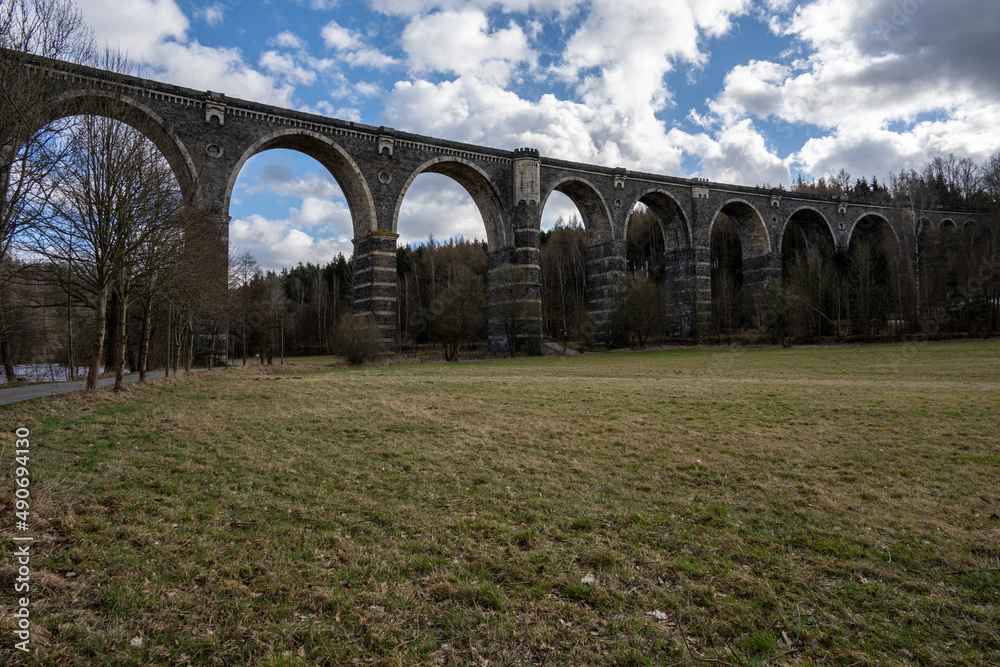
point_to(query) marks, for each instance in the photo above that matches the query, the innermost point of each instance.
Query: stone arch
(678, 258)
(944, 225)
(924, 238)
(805, 231)
(875, 266)
(335, 159)
(950, 238)
(750, 225)
(740, 257)
(480, 187)
(589, 201)
(605, 252)
(873, 223)
(675, 225)
(816, 228)
(128, 110)
(970, 232)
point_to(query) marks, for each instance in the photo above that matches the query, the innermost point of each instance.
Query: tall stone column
(375, 289)
(606, 269)
(758, 272)
(528, 260)
(680, 292)
(515, 272)
(515, 288)
(701, 285)
(220, 344)
(500, 310)
(701, 259)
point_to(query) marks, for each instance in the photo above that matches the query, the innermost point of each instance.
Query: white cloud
(633, 44)
(213, 15)
(279, 179)
(276, 244)
(873, 73)
(616, 60)
(288, 40)
(437, 205)
(153, 33)
(351, 47)
(880, 152)
(739, 155)
(474, 111)
(460, 42)
(368, 89)
(137, 27)
(284, 66)
(418, 7)
(223, 70)
(340, 38)
(313, 230)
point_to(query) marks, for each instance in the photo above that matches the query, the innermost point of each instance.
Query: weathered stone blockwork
(375, 289)
(207, 137)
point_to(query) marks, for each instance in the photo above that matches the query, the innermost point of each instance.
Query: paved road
(559, 348)
(28, 392)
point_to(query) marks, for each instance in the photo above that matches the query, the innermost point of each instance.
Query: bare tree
(512, 305)
(242, 272)
(639, 314)
(115, 194)
(29, 150)
(460, 309)
(157, 267)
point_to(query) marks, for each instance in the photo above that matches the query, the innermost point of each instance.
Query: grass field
(811, 506)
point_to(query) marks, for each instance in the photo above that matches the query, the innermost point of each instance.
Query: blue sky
(740, 91)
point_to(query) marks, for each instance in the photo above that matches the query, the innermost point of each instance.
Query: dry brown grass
(801, 507)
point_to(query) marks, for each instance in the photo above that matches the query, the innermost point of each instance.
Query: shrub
(358, 339)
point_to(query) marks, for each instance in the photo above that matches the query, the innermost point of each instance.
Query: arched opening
(334, 160)
(129, 111)
(645, 248)
(952, 255)
(806, 234)
(287, 209)
(476, 183)
(583, 265)
(290, 238)
(875, 229)
(589, 203)
(739, 264)
(349, 187)
(563, 244)
(925, 271)
(808, 277)
(658, 252)
(97, 215)
(448, 221)
(873, 278)
(970, 233)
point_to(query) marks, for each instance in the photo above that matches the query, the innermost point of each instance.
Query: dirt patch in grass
(830, 506)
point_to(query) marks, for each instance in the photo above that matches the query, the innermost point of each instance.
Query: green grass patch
(811, 506)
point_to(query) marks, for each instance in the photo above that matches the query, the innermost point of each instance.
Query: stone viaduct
(207, 137)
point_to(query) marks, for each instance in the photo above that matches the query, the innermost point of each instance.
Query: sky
(753, 92)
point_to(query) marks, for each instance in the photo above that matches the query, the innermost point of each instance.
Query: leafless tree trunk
(28, 153)
(115, 195)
